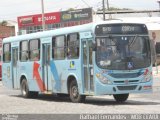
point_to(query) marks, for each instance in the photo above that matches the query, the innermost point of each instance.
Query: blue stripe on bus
(55, 75)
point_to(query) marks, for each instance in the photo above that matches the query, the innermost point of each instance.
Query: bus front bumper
(106, 89)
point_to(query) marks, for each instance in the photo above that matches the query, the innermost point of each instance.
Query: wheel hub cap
(75, 91)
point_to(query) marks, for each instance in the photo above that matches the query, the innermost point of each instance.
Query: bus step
(88, 93)
(47, 92)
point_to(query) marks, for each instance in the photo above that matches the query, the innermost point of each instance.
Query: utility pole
(158, 1)
(103, 3)
(104, 9)
(43, 19)
(110, 16)
(107, 5)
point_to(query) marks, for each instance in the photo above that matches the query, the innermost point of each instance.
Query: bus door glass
(87, 66)
(14, 67)
(46, 65)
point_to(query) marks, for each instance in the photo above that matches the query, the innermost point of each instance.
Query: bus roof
(50, 33)
(60, 31)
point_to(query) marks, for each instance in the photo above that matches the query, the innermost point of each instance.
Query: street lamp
(43, 19)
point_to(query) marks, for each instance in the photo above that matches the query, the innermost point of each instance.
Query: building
(7, 30)
(33, 23)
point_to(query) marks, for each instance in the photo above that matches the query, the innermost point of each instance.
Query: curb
(156, 88)
(1, 83)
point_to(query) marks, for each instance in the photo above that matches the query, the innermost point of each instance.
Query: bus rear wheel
(74, 93)
(121, 97)
(25, 90)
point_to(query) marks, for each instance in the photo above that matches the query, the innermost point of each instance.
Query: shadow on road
(90, 100)
(102, 102)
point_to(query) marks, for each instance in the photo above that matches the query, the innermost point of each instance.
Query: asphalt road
(11, 102)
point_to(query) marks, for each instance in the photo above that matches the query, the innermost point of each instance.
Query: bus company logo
(126, 82)
(130, 65)
(72, 64)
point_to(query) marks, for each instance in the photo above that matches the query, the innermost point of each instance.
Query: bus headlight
(103, 79)
(146, 76)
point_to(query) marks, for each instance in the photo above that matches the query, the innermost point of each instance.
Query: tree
(114, 9)
(70, 9)
(4, 23)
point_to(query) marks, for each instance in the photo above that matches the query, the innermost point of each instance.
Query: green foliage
(114, 9)
(3, 23)
(70, 9)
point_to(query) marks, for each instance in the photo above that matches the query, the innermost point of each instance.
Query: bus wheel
(121, 97)
(74, 93)
(25, 90)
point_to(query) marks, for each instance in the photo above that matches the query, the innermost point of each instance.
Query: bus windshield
(123, 52)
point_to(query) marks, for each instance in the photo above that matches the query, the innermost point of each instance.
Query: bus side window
(73, 46)
(24, 51)
(34, 50)
(7, 52)
(58, 47)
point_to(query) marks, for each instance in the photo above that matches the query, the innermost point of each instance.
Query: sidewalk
(156, 76)
(0, 83)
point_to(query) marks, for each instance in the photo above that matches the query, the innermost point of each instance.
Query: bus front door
(46, 66)
(14, 67)
(87, 67)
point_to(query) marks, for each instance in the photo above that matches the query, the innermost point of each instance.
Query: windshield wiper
(134, 39)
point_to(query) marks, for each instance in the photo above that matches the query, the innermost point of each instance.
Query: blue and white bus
(106, 58)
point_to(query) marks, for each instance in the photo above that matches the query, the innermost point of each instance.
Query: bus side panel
(35, 78)
(26, 69)
(57, 69)
(7, 75)
(65, 68)
(50, 81)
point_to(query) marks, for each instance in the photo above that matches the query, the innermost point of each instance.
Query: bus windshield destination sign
(120, 29)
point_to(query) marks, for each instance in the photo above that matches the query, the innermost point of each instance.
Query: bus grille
(133, 87)
(126, 75)
(123, 82)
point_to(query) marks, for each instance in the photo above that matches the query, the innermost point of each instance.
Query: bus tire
(74, 93)
(121, 97)
(25, 90)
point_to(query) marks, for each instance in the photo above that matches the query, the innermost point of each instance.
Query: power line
(90, 7)
(86, 3)
(30, 12)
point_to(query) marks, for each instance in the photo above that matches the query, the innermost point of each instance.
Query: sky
(11, 9)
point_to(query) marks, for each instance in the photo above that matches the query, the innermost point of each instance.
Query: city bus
(104, 58)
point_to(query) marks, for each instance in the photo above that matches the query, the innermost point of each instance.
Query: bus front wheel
(25, 90)
(121, 97)
(74, 93)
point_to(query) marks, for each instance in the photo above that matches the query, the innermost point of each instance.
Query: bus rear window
(7, 52)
